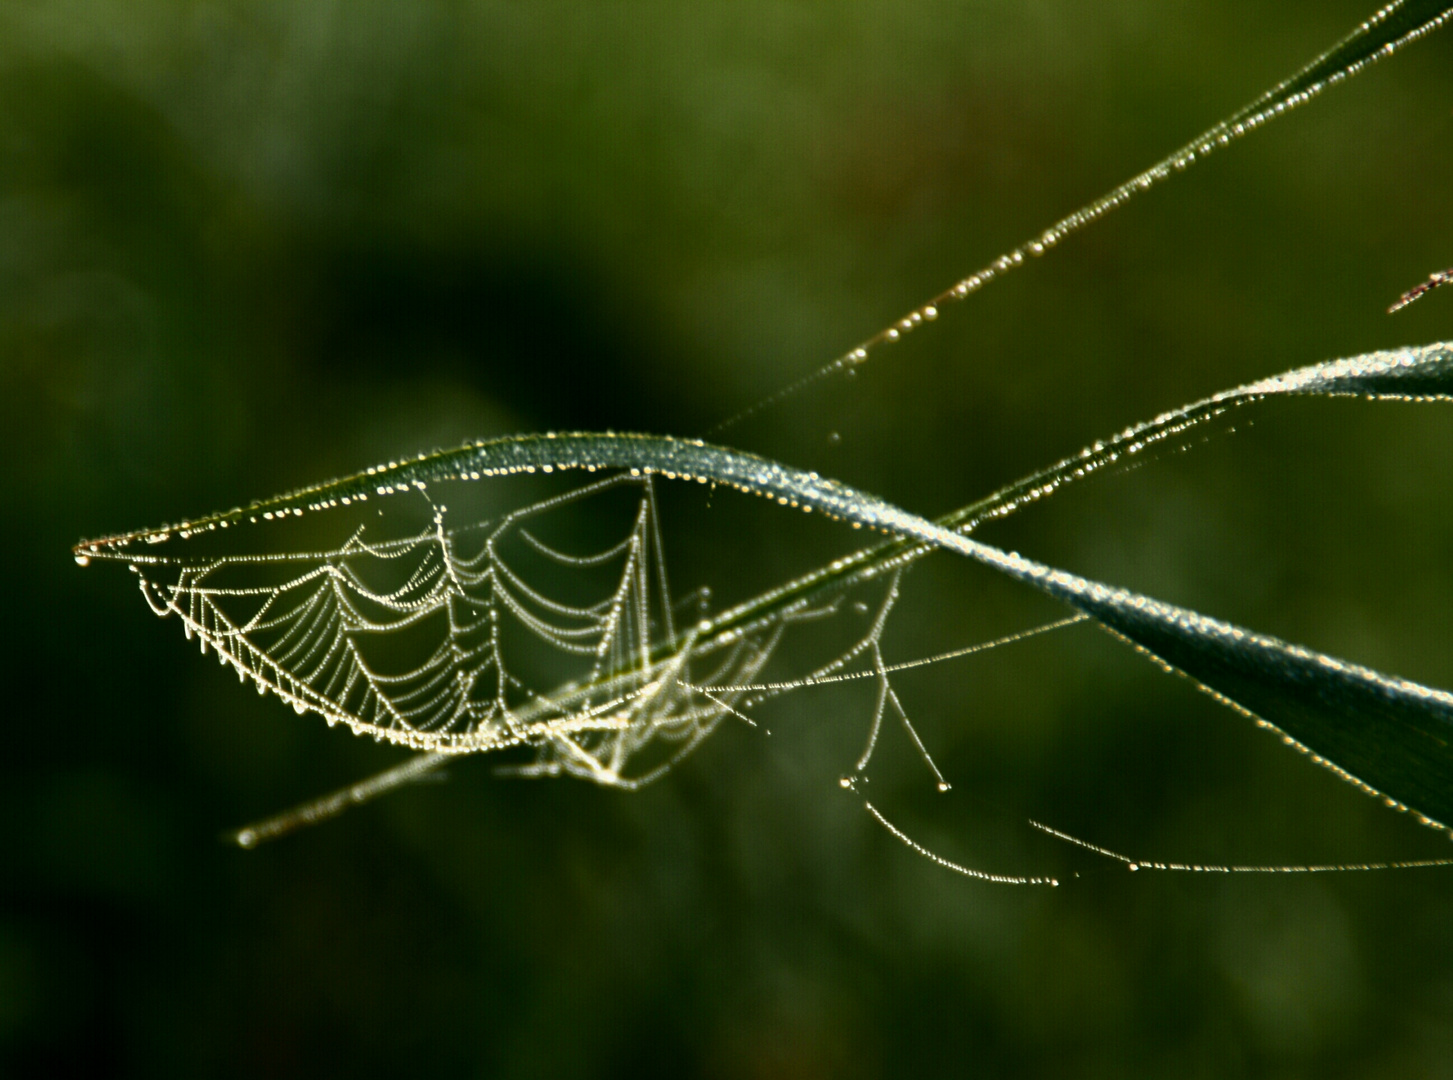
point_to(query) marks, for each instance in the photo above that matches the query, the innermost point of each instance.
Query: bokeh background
(247, 246)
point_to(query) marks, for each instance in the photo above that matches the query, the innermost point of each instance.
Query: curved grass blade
(1389, 736)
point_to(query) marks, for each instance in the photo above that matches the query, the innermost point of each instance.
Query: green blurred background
(246, 246)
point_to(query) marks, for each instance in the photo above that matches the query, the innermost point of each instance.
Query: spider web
(466, 636)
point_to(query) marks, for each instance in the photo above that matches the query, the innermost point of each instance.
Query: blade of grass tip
(335, 802)
(1435, 281)
(1382, 34)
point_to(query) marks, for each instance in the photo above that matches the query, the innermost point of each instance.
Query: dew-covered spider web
(435, 630)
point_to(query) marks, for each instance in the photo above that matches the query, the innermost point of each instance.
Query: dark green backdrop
(246, 246)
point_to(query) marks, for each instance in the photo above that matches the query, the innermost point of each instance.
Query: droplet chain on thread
(1302, 87)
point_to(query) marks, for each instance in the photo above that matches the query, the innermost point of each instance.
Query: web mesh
(464, 636)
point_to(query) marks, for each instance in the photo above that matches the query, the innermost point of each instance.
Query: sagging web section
(437, 640)
(470, 636)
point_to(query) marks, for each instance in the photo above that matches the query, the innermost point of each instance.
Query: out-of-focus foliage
(248, 246)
